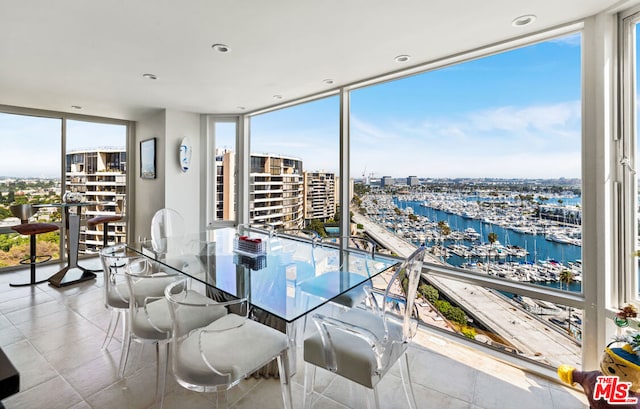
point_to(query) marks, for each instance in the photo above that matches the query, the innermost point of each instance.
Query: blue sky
(515, 114)
(31, 145)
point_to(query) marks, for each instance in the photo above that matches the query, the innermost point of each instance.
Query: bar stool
(104, 220)
(23, 212)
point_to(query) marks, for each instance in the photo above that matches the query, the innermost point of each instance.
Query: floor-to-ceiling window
(635, 242)
(29, 173)
(294, 167)
(628, 161)
(225, 171)
(481, 161)
(96, 166)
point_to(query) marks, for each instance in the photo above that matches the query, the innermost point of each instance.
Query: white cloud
(534, 141)
(573, 40)
(553, 119)
(368, 133)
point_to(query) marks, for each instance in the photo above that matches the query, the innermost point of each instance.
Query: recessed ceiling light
(221, 48)
(277, 96)
(150, 76)
(402, 58)
(328, 81)
(523, 20)
(76, 107)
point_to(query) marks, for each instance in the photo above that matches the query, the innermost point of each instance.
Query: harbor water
(538, 248)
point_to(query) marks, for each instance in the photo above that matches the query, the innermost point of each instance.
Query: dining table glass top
(268, 270)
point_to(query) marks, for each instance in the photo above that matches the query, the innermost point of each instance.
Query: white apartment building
(276, 191)
(225, 185)
(101, 174)
(319, 195)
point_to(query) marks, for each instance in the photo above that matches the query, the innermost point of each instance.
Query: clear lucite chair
(115, 260)
(306, 234)
(303, 257)
(166, 223)
(215, 355)
(331, 278)
(363, 344)
(149, 316)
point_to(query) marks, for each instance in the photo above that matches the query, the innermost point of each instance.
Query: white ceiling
(55, 54)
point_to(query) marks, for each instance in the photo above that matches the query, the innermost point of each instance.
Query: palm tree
(566, 277)
(492, 237)
(444, 228)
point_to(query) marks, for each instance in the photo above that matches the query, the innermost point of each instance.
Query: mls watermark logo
(613, 391)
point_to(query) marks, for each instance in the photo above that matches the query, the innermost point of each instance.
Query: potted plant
(623, 315)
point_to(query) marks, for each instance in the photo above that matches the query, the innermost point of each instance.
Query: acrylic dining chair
(323, 285)
(358, 268)
(149, 320)
(216, 355)
(166, 223)
(362, 344)
(115, 260)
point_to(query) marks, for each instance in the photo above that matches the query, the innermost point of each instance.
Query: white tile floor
(53, 337)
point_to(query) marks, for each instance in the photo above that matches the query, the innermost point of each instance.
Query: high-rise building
(413, 181)
(319, 195)
(386, 181)
(101, 175)
(276, 191)
(225, 185)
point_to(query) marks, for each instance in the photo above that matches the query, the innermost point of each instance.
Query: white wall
(149, 193)
(172, 187)
(182, 189)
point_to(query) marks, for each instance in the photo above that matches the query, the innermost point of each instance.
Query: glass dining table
(268, 271)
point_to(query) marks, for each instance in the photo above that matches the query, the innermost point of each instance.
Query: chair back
(357, 245)
(188, 314)
(147, 280)
(341, 344)
(115, 260)
(406, 279)
(305, 234)
(164, 224)
(23, 212)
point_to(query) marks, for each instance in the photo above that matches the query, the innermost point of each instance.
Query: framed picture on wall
(148, 159)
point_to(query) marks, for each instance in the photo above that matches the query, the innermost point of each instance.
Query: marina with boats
(536, 329)
(506, 238)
